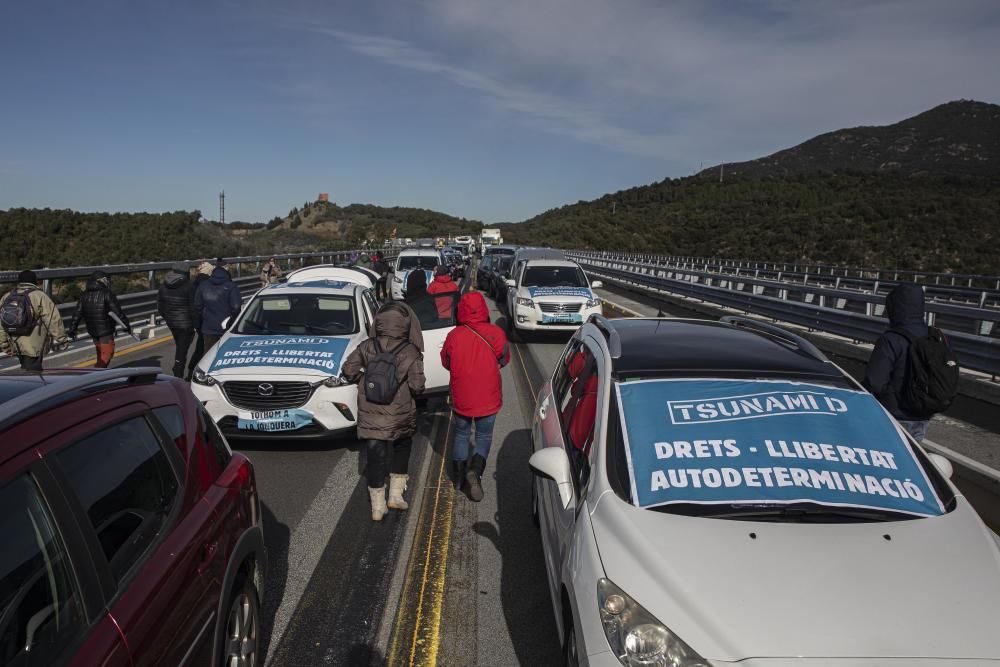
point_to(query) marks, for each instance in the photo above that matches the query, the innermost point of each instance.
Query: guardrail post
(47, 286)
(151, 279)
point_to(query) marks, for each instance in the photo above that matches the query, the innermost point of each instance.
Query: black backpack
(380, 375)
(17, 316)
(931, 381)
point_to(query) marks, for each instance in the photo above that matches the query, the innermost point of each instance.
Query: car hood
(734, 590)
(299, 355)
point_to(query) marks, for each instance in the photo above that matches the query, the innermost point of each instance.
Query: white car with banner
(720, 493)
(413, 259)
(276, 371)
(549, 295)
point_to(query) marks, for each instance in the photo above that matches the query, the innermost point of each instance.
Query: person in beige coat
(30, 348)
(388, 429)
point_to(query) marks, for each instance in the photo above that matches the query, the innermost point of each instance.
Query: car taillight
(237, 474)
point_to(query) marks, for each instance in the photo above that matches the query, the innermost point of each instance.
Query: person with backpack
(101, 313)
(29, 319)
(474, 352)
(217, 300)
(175, 302)
(912, 370)
(389, 370)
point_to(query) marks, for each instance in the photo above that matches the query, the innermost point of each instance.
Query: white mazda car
(276, 371)
(719, 493)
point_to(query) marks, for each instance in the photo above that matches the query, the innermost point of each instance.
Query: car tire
(571, 657)
(512, 333)
(241, 635)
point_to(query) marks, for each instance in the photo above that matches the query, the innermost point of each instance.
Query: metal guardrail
(969, 280)
(850, 314)
(866, 280)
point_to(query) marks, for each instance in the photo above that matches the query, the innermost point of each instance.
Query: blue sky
(489, 110)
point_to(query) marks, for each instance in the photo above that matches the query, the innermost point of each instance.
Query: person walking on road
(100, 311)
(474, 352)
(381, 267)
(270, 274)
(203, 273)
(443, 284)
(217, 300)
(892, 369)
(29, 320)
(175, 302)
(389, 370)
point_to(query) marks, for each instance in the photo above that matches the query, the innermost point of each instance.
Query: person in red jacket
(443, 284)
(474, 352)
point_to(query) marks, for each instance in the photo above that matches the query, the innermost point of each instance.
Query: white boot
(379, 509)
(397, 484)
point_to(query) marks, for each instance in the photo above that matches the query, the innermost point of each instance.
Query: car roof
(550, 262)
(686, 347)
(352, 274)
(539, 253)
(419, 251)
(317, 286)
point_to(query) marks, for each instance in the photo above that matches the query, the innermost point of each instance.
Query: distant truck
(465, 241)
(490, 237)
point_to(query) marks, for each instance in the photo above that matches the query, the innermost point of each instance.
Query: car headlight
(201, 377)
(334, 381)
(635, 635)
(593, 303)
(528, 303)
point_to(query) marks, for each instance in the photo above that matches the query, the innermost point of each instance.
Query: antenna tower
(222, 207)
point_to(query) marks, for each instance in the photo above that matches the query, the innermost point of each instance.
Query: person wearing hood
(443, 284)
(885, 374)
(217, 300)
(175, 302)
(364, 261)
(203, 273)
(416, 296)
(30, 306)
(388, 429)
(100, 311)
(474, 352)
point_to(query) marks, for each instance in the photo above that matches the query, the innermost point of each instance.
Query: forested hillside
(936, 209)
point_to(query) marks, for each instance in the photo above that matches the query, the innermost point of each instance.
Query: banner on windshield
(761, 442)
(318, 353)
(542, 292)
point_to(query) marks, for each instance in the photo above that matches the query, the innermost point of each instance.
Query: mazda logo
(265, 389)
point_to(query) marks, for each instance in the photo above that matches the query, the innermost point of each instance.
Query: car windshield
(503, 263)
(407, 262)
(318, 314)
(770, 450)
(554, 276)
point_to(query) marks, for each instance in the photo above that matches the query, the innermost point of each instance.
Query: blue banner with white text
(541, 292)
(319, 353)
(762, 442)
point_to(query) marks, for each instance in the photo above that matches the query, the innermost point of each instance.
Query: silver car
(715, 493)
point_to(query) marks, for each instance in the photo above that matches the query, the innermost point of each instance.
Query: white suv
(424, 259)
(549, 295)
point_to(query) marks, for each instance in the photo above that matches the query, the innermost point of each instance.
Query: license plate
(270, 421)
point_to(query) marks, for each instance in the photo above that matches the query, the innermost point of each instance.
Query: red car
(131, 533)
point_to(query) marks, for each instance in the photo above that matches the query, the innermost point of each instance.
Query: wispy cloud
(549, 112)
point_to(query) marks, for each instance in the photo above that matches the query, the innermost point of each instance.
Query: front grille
(246, 395)
(560, 307)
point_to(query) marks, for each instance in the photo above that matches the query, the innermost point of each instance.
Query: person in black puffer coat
(204, 273)
(217, 299)
(175, 302)
(96, 307)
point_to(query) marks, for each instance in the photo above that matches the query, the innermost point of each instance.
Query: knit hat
(205, 268)
(27, 276)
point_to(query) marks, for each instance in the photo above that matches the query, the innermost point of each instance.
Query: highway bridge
(455, 582)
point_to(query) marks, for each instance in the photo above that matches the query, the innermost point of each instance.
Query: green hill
(939, 210)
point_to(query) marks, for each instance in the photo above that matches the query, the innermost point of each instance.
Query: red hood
(445, 278)
(472, 308)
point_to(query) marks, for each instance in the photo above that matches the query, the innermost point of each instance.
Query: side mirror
(552, 463)
(942, 464)
(225, 324)
(510, 282)
(596, 284)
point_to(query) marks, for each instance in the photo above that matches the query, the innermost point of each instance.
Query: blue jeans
(460, 439)
(918, 429)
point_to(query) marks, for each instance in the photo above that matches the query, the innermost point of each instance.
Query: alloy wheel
(241, 631)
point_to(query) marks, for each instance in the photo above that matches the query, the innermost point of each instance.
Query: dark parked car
(500, 269)
(131, 532)
(484, 274)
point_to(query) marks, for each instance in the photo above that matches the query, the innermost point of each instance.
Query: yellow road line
(527, 377)
(139, 347)
(429, 645)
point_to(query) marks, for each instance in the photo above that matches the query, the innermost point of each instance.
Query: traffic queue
(707, 492)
